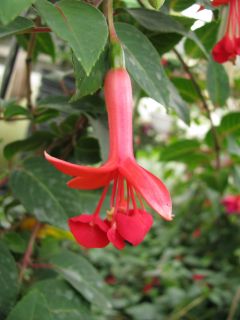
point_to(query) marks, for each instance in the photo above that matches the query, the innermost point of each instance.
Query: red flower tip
(89, 231)
(232, 204)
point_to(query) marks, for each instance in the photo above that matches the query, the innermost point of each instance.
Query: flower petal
(115, 238)
(150, 187)
(77, 170)
(91, 181)
(135, 226)
(87, 232)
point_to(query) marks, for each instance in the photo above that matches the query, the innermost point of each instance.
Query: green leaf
(159, 22)
(32, 306)
(176, 150)
(81, 25)
(87, 150)
(10, 9)
(143, 63)
(207, 35)
(38, 139)
(8, 281)
(15, 242)
(217, 83)
(100, 128)
(177, 104)
(180, 5)
(17, 25)
(230, 125)
(62, 301)
(14, 110)
(86, 85)
(44, 44)
(43, 192)
(186, 89)
(76, 270)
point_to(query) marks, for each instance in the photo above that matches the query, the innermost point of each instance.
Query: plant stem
(187, 308)
(30, 50)
(205, 106)
(109, 15)
(234, 305)
(28, 253)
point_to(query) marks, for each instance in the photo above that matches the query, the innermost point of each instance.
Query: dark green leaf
(38, 139)
(186, 89)
(11, 9)
(159, 22)
(31, 306)
(207, 35)
(62, 301)
(230, 125)
(180, 5)
(15, 242)
(86, 85)
(177, 104)
(101, 133)
(143, 63)
(14, 110)
(217, 83)
(43, 192)
(81, 25)
(87, 150)
(19, 24)
(179, 149)
(82, 276)
(8, 281)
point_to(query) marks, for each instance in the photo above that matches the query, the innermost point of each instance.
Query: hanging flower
(126, 219)
(232, 204)
(229, 46)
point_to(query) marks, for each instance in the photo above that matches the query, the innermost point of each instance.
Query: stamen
(110, 214)
(99, 206)
(133, 199)
(114, 191)
(140, 200)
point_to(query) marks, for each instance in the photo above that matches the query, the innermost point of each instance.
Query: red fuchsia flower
(196, 233)
(229, 46)
(232, 204)
(198, 277)
(217, 3)
(127, 219)
(154, 283)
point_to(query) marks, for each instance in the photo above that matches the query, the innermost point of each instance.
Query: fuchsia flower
(229, 46)
(232, 204)
(127, 219)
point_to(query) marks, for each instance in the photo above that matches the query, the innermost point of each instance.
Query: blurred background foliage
(187, 125)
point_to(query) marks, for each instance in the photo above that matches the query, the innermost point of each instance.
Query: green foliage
(66, 18)
(8, 280)
(11, 9)
(217, 84)
(18, 25)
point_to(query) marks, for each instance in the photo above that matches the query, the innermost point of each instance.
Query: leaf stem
(28, 253)
(217, 147)
(234, 305)
(116, 51)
